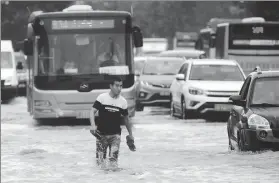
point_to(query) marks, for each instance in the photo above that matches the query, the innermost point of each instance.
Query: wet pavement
(168, 150)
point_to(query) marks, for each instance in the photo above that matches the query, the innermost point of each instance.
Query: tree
(15, 15)
(266, 9)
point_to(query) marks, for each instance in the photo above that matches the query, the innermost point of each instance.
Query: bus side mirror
(137, 36)
(28, 47)
(19, 66)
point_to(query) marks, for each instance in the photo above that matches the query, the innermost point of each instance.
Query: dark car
(185, 53)
(155, 81)
(254, 119)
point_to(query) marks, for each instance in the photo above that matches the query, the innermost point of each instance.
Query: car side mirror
(180, 77)
(137, 73)
(237, 100)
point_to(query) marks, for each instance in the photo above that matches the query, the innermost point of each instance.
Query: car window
(6, 60)
(266, 91)
(183, 69)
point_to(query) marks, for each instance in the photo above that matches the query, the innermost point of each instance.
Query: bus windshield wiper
(150, 73)
(167, 74)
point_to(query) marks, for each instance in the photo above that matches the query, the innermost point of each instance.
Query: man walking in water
(112, 108)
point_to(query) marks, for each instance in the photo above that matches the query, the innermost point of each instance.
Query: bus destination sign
(81, 24)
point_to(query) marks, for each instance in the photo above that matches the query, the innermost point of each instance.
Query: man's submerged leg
(114, 150)
(101, 151)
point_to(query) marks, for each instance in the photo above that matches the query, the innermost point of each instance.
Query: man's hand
(130, 142)
(93, 130)
(131, 137)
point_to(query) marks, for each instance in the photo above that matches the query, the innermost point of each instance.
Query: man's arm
(126, 119)
(95, 108)
(128, 125)
(92, 118)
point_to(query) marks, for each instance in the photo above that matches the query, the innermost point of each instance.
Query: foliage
(156, 18)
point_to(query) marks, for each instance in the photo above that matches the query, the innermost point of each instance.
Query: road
(168, 150)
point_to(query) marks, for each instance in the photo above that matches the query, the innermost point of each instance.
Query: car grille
(221, 93)
(159, 97)
(161, 85)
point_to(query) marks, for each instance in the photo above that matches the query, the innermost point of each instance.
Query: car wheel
(230, 145)
(172, 110)
(139, 107)
(240, 142)
(183, 109)
(229, 138)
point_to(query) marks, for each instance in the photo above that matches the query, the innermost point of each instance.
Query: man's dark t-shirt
(111, 110)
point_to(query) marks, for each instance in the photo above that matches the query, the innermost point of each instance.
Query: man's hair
(115, 79)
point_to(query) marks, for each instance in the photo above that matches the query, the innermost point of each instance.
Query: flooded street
(168, 150)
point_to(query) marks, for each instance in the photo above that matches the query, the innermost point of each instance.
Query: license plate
(83, 114)
(223, 107)
(164, 93)
(21, 85)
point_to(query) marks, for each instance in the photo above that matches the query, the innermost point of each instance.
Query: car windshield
(266, 91)
(207, 72)
(162, 67)
(6, 60)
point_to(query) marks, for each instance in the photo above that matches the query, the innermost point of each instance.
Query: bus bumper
(56, 112)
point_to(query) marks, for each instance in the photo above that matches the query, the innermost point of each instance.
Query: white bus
(152, 46)
(184, 40)
(207, 36)
(252, 43)
(206, 42)
(72, 56)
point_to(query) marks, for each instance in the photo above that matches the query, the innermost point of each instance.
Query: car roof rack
(258, 70)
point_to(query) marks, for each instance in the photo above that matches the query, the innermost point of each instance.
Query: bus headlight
(255, 121)
(42, 103)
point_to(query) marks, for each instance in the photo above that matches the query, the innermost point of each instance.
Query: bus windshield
(81, 53)
(6, 60)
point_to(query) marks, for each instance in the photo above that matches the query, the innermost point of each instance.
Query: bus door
(33, 60)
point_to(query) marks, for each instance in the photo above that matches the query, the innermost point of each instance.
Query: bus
(252, 43)
(153, 46)
(72, 56)
(206, 42)
(207, 36)
(184, 40)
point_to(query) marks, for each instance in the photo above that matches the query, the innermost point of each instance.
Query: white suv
(204, 86)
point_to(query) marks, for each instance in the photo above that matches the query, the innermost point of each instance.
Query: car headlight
(196, 91)
(255, 121)
(144, 83)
